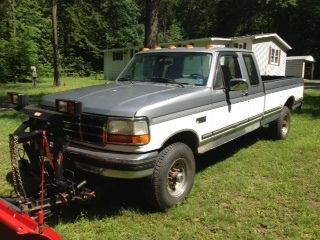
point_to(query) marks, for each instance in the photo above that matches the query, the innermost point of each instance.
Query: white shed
(116, 59)
(270, 50)
(300, 66)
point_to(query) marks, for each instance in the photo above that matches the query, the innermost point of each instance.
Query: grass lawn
(251, 188)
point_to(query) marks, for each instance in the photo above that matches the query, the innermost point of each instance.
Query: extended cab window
(228, 69)
(251, 69)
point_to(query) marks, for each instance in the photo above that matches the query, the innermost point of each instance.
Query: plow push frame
(42, 139)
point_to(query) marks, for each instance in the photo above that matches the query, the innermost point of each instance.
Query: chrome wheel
(177, 178)
(285, 125)
(280, 127)
(173, 176)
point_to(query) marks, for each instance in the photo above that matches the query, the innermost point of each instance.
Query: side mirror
(238, 84)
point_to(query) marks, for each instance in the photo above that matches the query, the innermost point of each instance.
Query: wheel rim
(285, 125)
(177, 178)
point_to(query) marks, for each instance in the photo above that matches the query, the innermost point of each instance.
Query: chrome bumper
(111, 164)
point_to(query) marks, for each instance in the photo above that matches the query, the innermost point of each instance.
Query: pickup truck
(167, 106)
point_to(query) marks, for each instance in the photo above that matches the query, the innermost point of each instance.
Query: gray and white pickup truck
(167, 106)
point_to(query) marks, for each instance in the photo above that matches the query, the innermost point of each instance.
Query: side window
(251, 69)
(219, 79)
(229, 68)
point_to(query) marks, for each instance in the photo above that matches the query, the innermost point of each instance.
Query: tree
(87, 27)
(151, 23)
(173, 33)
(5, 17)
(169, 27)
(56, 60)
(197, 17)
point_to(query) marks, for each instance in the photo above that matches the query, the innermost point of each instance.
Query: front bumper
(113, 164)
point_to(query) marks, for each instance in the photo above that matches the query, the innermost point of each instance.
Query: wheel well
(289, 103)
(189, 138)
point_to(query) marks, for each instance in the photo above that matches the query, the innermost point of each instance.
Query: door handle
(245, 94)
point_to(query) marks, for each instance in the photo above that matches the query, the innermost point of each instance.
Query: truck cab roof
(195, 49)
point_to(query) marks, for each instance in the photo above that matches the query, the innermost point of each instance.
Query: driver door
(228, 120)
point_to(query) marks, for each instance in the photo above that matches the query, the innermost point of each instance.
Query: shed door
(308, 70)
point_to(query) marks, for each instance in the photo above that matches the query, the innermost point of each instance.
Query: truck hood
(137, 99)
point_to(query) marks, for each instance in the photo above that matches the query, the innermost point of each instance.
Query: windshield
(170, 67)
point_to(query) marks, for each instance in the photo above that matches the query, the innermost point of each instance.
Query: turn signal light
(128, 139)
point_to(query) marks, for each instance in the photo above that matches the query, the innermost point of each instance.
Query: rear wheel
(280, 128)
(173, 176)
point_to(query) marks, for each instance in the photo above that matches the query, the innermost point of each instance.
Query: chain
(16, 175)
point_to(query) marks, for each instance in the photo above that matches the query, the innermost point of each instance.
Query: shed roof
(265, 35)
(212, 39)
(308, 58)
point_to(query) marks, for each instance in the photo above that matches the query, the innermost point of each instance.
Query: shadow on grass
(114, 196)
(311, 105)
(227, 150)
(12, 115)
(312, 84)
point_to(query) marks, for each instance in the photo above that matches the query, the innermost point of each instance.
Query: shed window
(240, 45)
(274, 56)
(117, 56)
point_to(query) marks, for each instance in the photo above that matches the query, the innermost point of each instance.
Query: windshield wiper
(166, 80)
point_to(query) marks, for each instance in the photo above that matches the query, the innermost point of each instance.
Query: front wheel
(173, 176)
(281, 127)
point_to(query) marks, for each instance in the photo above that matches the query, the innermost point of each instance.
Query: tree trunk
(14, 25)
(56, 60)
(151, 23)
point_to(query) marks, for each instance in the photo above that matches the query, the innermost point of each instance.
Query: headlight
(127, 131)
(18, 99)
(70, 107)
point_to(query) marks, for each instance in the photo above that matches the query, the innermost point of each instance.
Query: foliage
(87, 27)
(173, 34)
(18, 54)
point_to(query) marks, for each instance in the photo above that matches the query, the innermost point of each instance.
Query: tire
(173, 176)
(280, 128)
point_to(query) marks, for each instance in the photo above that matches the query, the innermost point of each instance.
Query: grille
(88, 129)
